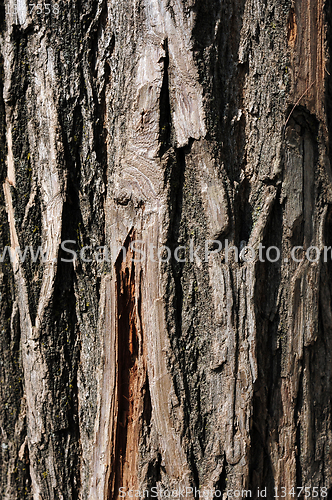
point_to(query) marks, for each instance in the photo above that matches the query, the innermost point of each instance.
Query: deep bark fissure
(221, 484)
(15, 478)
(129, 349)
(298, 426)
(165, 119)
(177, 179)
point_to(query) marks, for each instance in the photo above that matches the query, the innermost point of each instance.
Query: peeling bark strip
(165, 121)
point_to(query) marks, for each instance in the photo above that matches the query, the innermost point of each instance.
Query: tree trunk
(145, 123)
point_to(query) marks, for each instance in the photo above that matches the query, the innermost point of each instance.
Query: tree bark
(135, 125)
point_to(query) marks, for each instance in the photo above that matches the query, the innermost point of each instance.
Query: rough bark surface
(165, 122)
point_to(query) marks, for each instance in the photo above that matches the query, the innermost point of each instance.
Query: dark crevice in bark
(63, 358)
(12, 434)
(266, 397)
(328, 240)
(147, 412)
(182, 375)
(3, 148)
(128, 352)
(328, 80)
(154, 471)
(165, 108)
(235, 362)
(65, 281)
(33, 271)
(222, 77)
(194, 470)
(21, 81)
(176, 187)
(204, 29)
(2, 14)
(153, 474)
(174, 287)
(103, 110)
(102, 146)
(62, 349)
(244, 213)
(14, 473)
(100, 128)
(222, 481)
(27, 479)
(303, 118)
(326, 274)
(217, 34)
(299, 429)
(321, 357)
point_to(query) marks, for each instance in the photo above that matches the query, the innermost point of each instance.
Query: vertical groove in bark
(15, 479)
(131, 377)
(165, 120)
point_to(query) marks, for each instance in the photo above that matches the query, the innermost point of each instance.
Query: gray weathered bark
(165, 122)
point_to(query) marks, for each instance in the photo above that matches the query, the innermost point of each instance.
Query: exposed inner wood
(131, 377)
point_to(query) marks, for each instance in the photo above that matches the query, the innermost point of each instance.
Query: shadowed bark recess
(131, 369)
(135, 125)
